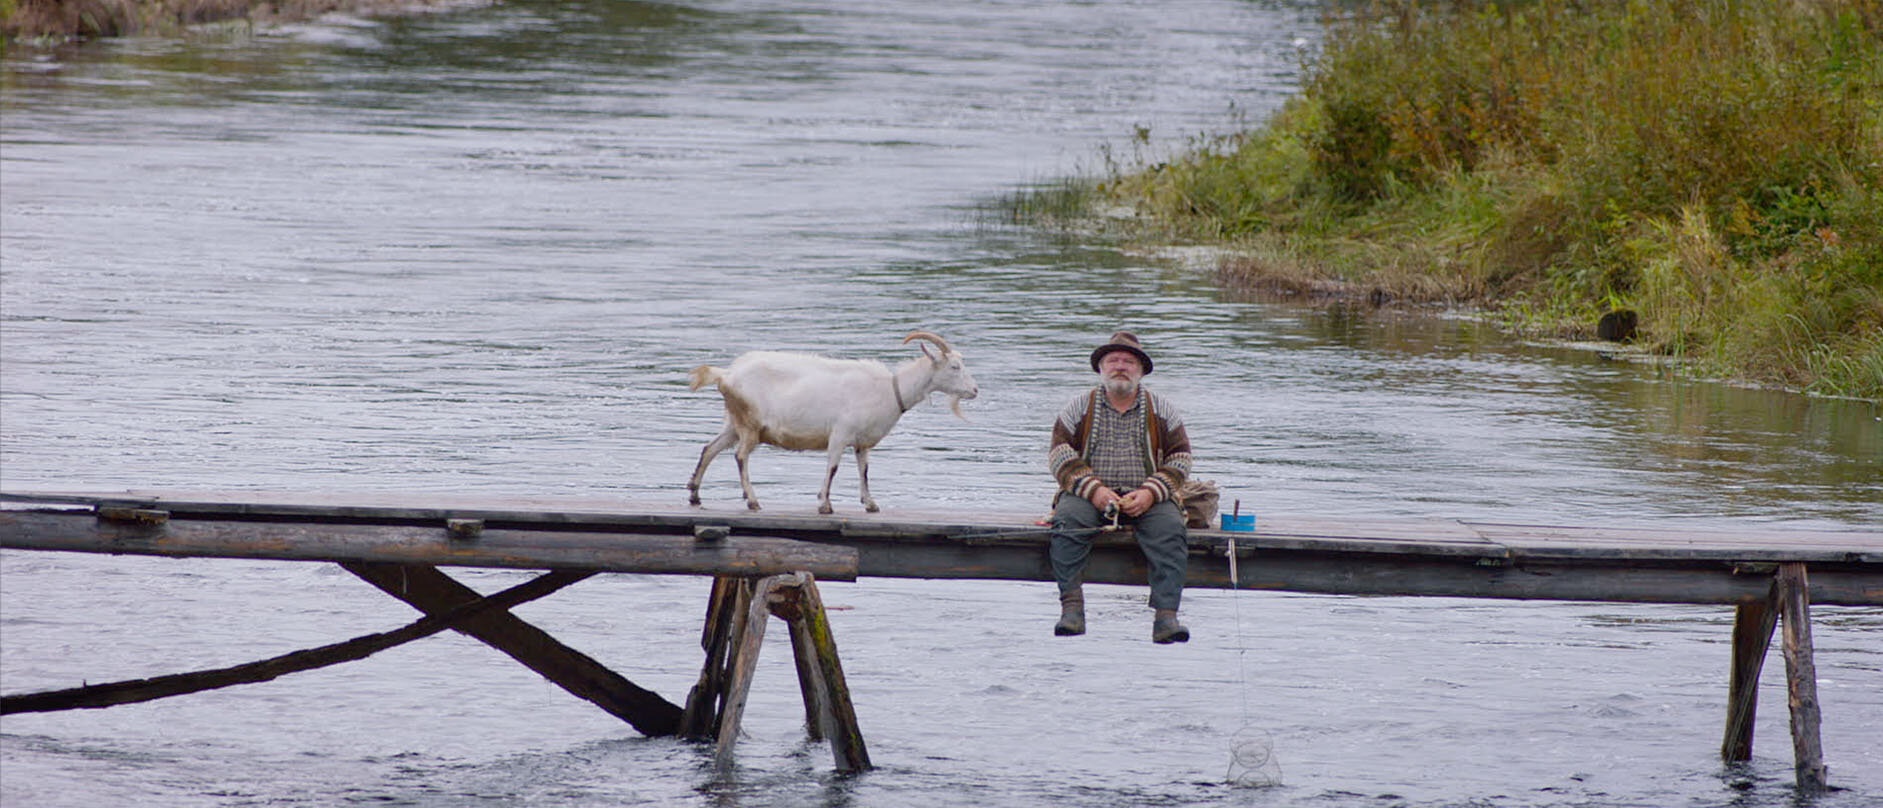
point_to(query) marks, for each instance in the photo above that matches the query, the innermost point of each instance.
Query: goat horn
(930, 336)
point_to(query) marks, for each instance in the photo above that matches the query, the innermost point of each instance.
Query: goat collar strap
(893, 385)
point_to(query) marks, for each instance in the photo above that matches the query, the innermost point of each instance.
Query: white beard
(1121, 387)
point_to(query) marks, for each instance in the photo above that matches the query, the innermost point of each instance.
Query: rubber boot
(1071, 613)
(1165, 629)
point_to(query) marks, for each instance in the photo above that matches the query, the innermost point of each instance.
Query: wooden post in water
(1753, 623)
(725, 613)
(812, 687)
(748, 634)
(827, 700)
(1801, 677)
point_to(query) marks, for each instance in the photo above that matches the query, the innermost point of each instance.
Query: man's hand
(1104, 497)
(1137, 502)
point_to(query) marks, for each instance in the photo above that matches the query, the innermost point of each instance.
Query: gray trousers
(1161, 535)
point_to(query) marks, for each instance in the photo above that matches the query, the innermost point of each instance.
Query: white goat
(798, 401)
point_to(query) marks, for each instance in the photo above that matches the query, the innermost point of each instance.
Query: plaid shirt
(1116, 448)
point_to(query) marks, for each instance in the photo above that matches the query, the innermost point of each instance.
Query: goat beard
(954, 403)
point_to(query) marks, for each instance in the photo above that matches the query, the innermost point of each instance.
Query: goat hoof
(871, 507)
(826, 509)
(751, 506)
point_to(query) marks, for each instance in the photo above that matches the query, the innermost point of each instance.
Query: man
(1120, 446)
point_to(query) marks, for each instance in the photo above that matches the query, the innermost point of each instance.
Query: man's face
(1120, 372)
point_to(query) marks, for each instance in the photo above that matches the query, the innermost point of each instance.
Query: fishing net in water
(1252, 762)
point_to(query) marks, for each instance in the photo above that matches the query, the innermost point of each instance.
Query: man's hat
(1122, 341)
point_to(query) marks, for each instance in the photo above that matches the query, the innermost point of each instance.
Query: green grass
(1715, 166)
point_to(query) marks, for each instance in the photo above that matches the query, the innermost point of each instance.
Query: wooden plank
(1449, 562)
(1620, 582)
(1443, 537)
(1753, 622)
(402, 544)
(432, 592)
(1801, 678)
(1448, 537)
(1302, 569)
(1650, 542)
(1416, 530)
(515, 511)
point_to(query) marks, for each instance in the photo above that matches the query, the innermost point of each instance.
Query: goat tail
(704, 375)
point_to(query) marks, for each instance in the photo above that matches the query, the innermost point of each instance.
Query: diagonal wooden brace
(725, 619)
(1753, 624)
(432, 592)
(139, 690)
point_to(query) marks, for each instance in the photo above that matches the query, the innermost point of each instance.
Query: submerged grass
(1714, 166)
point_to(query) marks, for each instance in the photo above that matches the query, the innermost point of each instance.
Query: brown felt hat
(1122, 341)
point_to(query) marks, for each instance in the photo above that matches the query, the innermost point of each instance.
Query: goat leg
(830, 474)
(745, 476)
(863, 479)
(712, 450)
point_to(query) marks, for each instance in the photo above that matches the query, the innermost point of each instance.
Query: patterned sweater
(1145, 446)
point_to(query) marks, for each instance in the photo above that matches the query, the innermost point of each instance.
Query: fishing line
(1252, 762)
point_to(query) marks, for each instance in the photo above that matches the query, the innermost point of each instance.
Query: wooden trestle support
(1753, 624)
(735, 627)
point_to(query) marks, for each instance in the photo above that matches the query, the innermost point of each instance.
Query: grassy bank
(1714, 168)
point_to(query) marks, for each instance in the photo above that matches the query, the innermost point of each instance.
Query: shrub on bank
(90, 19)
(63, 20)
(1713, 165)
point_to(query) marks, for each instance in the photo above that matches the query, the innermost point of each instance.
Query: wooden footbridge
(766, 564)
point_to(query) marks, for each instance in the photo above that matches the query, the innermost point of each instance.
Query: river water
(475, 253)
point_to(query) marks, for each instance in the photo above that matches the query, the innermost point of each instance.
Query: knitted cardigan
(1167, 444)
